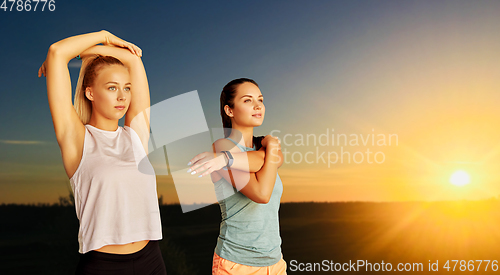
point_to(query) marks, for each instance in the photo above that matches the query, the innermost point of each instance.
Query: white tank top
(115, 190)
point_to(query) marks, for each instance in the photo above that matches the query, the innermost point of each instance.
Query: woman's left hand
(113, 40)
(207, 161)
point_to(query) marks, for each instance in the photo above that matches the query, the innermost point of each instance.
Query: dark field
(43, 239)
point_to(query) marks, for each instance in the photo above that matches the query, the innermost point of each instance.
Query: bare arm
(137, 116)
(266, 177)
(256, 186)
(69, 130)
(251, 161)
(64, 116)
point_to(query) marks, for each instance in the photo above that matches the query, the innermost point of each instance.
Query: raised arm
(69, 129)
(137, 116)
(256, 186)
(55, 68)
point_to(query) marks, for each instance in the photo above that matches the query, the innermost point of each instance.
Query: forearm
(251, 161)
(266, 176)
(129, 59)
(71, 47)
(256, 186)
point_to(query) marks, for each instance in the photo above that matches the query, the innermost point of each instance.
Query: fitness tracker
(229, 158)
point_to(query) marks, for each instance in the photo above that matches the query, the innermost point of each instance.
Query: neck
(243, 135)
(103, 124)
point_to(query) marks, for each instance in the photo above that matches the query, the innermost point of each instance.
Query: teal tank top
(249, 231)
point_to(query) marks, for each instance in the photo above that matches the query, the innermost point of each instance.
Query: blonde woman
(116, 204)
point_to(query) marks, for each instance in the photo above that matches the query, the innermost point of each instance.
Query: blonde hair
(88, 72)
(82, 104)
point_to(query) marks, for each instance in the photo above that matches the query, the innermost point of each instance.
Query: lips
(120, 107)
(259, 115)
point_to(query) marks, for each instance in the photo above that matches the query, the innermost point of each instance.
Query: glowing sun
(460, 178)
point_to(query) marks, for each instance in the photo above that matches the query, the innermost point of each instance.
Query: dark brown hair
(227, 98)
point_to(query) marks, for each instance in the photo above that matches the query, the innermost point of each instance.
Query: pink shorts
(221, 266)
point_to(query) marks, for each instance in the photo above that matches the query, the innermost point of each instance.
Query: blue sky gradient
(394, 66)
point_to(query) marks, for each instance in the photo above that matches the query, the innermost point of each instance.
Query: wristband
(229, 158)
(225, 158)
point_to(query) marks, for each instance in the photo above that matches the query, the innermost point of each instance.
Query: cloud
(75, 64)
(22, 142)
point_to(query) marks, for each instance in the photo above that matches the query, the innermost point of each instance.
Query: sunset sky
(424, 73)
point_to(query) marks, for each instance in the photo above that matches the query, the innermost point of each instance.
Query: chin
(256, 124)
(124, 113)
(116, 117)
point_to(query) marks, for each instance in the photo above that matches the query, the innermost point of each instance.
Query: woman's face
(249, 109)
(110, 93)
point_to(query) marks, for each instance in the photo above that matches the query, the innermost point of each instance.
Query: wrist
(272, 155)
(270, 149)
(263, 143)
(224, 157)
(104, 36)
(229, 158)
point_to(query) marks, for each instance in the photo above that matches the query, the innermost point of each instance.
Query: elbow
(263, 199)
(54, 49)
(58, 52)
(55, 52)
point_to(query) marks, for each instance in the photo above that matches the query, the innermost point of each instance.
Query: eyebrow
(112, 82)
(249, 96)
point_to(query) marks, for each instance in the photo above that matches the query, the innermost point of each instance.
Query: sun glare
(460, 178)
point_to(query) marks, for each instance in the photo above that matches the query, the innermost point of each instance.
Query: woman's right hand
(270, 141)
(42, 70)
(113, 40)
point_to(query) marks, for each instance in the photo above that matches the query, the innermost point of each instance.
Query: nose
(121, 95)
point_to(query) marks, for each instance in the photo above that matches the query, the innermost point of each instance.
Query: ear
(89, 94)
(228, 111)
